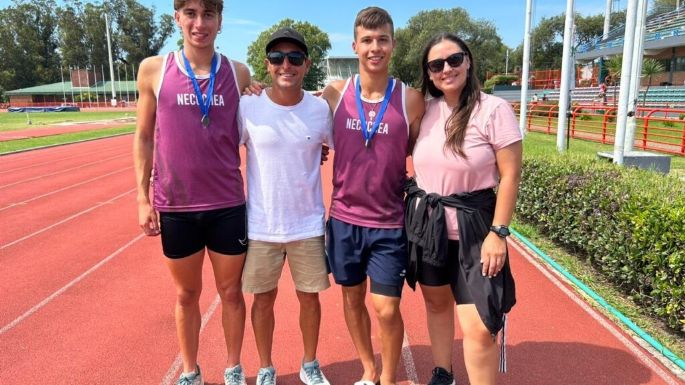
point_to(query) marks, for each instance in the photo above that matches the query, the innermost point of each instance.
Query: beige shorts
(306, 259)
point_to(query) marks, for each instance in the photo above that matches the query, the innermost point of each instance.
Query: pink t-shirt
(493, 126)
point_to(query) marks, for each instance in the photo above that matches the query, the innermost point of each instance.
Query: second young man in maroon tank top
(375, 119)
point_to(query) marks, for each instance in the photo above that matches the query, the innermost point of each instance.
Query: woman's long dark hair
(455, 127)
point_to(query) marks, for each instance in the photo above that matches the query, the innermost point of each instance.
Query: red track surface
(86, 299)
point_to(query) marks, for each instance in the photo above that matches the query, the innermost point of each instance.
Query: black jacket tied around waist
(427, 242)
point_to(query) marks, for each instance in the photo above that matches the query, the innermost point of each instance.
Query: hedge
(629, 223)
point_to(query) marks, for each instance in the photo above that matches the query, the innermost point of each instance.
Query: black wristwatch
(502, 231)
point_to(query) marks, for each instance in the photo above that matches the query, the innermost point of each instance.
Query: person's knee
(264, 301)
(308, 300)
(230, 292)
(187, 297)
(479, 339)
(388, 312)
(354, 297)
(477, 335)
(439, 304)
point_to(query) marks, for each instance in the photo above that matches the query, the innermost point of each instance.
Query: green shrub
(629, 223)
(668, 123)
(500, 79)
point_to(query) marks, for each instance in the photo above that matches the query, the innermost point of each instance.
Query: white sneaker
(311, 374)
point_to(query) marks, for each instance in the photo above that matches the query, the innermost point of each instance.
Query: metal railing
(656, 129)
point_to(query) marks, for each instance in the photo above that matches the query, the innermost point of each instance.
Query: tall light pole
(111, 66)
(607, 20)
(506, 64)
(566, 66)
(526, 68)
(626, 67)
(636, 72)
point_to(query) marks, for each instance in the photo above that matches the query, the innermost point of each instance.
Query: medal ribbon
(203, 103)
(366, 133)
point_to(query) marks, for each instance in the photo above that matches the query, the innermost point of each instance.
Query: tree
(480, 35)
(72, 36)
(660, 6)
(36, 37)
(28, 44)
(614, 65)
(135, 34)
(650, 67)
(96, 36)
(317, 42)
(547, 37)
(138, 33)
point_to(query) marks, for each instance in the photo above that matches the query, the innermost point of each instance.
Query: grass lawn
(18, 121)
(539, 143)
(25, 144)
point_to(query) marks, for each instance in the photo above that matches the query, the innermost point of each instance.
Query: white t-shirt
(284, 195)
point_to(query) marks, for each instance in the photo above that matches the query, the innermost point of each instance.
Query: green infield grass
(52, 140)
(11, 121)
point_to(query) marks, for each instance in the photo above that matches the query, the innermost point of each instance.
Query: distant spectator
(602, 95)
(535, 97)
(544, 97)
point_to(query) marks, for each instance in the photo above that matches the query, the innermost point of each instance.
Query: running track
(85, 299)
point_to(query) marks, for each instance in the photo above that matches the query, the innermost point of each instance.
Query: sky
(244, 20)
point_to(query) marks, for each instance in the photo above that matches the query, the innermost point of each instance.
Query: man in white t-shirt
(283, 130)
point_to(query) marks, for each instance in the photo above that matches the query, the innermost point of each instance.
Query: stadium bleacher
(658, 96)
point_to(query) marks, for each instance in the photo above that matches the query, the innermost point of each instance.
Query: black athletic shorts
(452, 275)
(222, 230)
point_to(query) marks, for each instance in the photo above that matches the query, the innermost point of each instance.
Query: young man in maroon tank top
(186, 117)
(375, 119)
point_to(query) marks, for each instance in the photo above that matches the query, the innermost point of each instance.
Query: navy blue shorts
(355, 252)
(222, 230)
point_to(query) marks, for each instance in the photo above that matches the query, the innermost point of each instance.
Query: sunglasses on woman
(454, 61)
(295, 58)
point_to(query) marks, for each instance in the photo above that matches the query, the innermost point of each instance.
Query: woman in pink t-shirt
(469, 144)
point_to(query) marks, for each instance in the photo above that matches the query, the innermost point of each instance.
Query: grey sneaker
(311, 374)
(191, 379)
(266, 376)
(441, 377)
(234, 376)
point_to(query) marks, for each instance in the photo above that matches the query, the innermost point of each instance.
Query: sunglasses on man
(454, 61)
(295, 58)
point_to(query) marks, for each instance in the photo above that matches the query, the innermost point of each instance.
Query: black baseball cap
(289, 35)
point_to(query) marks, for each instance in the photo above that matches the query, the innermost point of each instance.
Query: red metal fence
(656, 129)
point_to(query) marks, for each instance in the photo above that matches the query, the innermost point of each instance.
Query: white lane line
(62, 171)
(64, 188)
(44, 229)
(172, 373)
(52, 161)
(408, 360)
(639, 353)
(66, 287)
